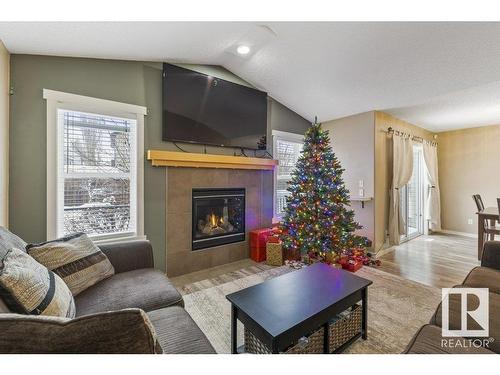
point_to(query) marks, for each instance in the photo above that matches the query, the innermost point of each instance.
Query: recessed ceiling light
(243, 50)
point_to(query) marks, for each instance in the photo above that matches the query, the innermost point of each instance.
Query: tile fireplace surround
(180, 183)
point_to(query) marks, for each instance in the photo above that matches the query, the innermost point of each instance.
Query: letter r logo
(465, 312)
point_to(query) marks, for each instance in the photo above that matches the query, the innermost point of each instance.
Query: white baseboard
(464, 234)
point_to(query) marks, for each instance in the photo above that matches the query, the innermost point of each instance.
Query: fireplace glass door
(218, 217)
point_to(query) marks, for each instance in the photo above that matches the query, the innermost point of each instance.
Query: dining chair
(498, 203)
(489, 230)
(479, 202)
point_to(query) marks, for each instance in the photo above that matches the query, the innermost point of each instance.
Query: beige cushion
(147, 289)
(76, 259)
(178, 333)
(27, 287)
(125, 331)
(484, 277)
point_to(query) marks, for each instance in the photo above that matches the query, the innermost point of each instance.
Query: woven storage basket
(274, 254)
(345, 327)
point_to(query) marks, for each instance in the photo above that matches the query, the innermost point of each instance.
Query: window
(286, 149)
(94, 179)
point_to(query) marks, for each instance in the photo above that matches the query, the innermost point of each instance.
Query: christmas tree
(317, 217)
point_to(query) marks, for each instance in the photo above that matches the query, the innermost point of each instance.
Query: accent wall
(131, 82)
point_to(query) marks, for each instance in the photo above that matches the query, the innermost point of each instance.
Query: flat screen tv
(198, 108)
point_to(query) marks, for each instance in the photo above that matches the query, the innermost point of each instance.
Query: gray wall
(353, 141)
(124, 81)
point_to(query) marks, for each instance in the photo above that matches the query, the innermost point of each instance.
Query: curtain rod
(416, 138)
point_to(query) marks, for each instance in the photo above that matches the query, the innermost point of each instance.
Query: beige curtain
(402, 168)
(433, 206)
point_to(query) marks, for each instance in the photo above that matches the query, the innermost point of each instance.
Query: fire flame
(215, 221)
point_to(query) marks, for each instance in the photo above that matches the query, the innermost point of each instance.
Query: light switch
(361, 192)
(361, 184)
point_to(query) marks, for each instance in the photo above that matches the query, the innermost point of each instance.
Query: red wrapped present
(343, 261)
(258, 254)
(353, 265)
(349, 263)
(258, 237)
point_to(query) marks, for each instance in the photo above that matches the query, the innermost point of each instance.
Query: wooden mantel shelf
(186, 159)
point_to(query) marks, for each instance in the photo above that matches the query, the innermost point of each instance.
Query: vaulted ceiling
(437, 75)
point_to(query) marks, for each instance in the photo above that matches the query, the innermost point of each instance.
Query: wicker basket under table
(341, 331)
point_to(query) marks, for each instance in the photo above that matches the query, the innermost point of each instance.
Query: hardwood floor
(439, 260)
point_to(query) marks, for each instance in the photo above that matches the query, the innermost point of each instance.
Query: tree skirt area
(397, 307)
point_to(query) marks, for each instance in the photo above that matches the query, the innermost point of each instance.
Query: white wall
(353, 141)
(4, 134)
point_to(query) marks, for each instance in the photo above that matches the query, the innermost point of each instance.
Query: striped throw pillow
(27, 287)
(76, 259)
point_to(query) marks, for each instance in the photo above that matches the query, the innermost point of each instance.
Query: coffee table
(282, 310)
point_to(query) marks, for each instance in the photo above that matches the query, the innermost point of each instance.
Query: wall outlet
(361, 192)
(470, 221)
(361, 184)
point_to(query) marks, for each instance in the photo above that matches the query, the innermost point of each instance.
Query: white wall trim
(288, 136)
(61, 100)
(52, 167)
(464, 234)
(4, 135)
(96, 103)
(285, 136)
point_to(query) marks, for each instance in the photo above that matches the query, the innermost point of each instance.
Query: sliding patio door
(412, 198)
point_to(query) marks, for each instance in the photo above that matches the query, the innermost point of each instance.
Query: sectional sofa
(429, 340)
(137, 310)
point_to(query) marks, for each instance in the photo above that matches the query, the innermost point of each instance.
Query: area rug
(397, 307)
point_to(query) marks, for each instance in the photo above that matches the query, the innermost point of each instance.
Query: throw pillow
(76, 259)
(27, 287)
(9, 240)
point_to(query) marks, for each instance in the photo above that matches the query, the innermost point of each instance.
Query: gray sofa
(428, 339)
(135, 285)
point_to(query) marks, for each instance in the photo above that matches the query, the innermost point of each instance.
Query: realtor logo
(473, 312)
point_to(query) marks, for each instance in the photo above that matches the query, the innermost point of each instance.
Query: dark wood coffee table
(282, 310)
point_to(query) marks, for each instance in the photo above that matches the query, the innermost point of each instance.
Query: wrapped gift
(274, 254)
(258, 237)
(258, 240)
(343, 261)
(273, 238)
(354, 265)
(258, 254)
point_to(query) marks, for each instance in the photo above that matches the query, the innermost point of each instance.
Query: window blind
(96, 174)
(287, 153)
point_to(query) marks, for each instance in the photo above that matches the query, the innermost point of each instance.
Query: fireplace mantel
(161, 158)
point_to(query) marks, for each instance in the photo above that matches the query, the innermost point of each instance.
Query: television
(198, 108)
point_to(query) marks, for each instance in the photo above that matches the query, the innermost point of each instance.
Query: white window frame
(57, 100)
(284, 136)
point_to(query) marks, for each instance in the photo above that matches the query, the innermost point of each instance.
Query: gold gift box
(274, 254)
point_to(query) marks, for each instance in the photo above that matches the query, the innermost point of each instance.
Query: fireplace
(218, 217)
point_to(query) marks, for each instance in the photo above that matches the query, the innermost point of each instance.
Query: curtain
(433, 207)
(402, 168)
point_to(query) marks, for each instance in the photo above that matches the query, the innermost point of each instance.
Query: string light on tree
(317, 217)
